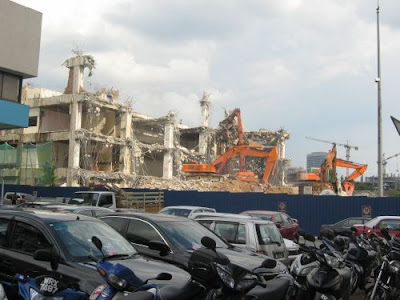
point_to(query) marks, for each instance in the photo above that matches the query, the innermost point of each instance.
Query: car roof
(217, 214)
(235, 219)
(46, 216)
(261, 212)
(188, 207)
(148, 216)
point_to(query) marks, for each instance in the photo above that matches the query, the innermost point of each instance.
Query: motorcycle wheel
(355, 283)
(380, 294)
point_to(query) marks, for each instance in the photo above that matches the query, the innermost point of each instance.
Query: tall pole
(378, 81)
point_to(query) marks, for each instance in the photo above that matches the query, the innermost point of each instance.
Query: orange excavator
(218, 166)
(326, 175)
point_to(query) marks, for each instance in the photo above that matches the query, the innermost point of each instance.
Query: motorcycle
(387, 282)
(46, 287)
(223, 280)
(324, 272)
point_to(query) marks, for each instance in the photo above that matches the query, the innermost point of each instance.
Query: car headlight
(246, 283)
(225, 274)
(117, 282)
(332, 261)
(2, 293)
(35, 295)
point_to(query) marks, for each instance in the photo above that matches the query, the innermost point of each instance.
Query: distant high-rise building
(315, 159)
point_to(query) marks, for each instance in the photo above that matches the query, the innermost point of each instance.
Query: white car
(185, 211)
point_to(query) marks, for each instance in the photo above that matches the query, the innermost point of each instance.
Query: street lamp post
(378, 81)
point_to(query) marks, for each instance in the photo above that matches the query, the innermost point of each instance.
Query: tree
(49, 177)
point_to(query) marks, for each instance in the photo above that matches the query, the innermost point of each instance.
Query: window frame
(20, 79)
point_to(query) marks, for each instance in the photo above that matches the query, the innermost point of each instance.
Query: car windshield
(371, 223)
(188, 235)
(76, 237)
(267, 234)
(262, 216)
(181, 212)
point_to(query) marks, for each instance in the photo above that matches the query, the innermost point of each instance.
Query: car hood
(147, 268)
(249, 260)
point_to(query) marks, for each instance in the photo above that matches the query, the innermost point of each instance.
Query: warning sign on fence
(366, 211)
(282, 206)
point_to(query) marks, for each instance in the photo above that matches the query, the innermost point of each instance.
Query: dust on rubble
(210, 185)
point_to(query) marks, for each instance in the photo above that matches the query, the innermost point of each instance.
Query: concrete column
(76, 66)
(203, 145)
(281, 149)
(205, 110)
(125, 160)
(168, 162)
(74, 145)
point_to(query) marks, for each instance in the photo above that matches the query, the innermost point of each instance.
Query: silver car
(250, 233)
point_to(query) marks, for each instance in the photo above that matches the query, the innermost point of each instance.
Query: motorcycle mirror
(159, 246)
(208, 242)
(385, 233)
(301, 232)
(97, 242)
(49, 254)
(164, 276)
(309, 237)
(269, 263)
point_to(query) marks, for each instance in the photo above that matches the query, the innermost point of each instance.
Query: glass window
(28, 239)
(105, 200)
(188, 235)
(176, 212)
(10, 88)
(390, 224)
(278, 219)
(352, 222)
(3, 231)
(205, 223)
(76, 237)
(141, 233)
(32, 121)
(86, 212)
(262, 217)
(116, 223)
(268, 234)
(100, 212)
(234, 233)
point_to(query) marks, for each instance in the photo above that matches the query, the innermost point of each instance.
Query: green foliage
(49, 177)
(364, 186)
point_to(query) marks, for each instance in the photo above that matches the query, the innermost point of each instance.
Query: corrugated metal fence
(311, 211)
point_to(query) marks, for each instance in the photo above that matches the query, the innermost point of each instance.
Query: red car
(288, 226)
(392, 223)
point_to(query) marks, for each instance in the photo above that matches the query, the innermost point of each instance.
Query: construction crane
(385, 161)
(347, 146)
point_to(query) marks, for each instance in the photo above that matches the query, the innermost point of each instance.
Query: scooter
(223, 280)
(41, 287)
(121, 282)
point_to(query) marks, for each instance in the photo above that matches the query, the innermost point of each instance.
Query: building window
(10, 87)
(32, 121)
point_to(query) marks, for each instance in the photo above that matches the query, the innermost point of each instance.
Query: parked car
(35, 204)
(392, 223)
(288, 227)
(185, 211)
(22, 232)
(21, 197)
(250, 233)
(343, 226)
(91, 211)
(180, 236)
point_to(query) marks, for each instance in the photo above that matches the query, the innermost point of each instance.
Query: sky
(307, 66)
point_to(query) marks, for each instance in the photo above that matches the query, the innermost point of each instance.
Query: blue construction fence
(311, 211)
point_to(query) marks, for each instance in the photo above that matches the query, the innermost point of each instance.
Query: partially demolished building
(92, 138)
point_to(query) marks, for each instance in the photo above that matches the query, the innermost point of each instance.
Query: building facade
(315, 160)
(19, 58)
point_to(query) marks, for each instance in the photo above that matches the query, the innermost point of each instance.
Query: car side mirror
(48, 254)
(269, 263)
(159, 246)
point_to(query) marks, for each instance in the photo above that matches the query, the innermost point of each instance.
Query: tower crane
(347, 146)
(385, 161)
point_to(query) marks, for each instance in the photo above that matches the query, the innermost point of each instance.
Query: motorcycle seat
(276, 289)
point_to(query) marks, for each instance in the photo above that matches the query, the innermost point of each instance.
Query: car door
(140, 233)
(392, 225)
(289, 226)
(234, 233)
(24, 237)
